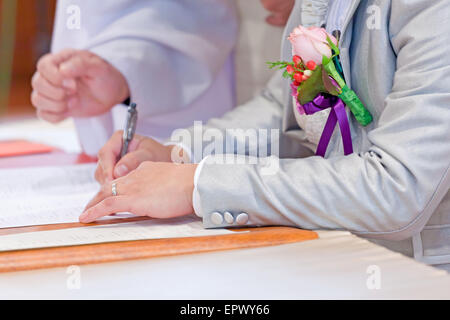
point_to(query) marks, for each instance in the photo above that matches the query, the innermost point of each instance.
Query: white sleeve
(169, 51)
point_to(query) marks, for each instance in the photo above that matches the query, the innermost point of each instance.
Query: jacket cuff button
(228, 218)
(216, 218)
(242, 219)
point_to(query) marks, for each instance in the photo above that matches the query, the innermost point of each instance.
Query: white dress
(176, 56)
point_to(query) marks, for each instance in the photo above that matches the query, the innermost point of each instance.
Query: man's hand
(280, 11)
(76, 83)
(157, 190)
(141, 149)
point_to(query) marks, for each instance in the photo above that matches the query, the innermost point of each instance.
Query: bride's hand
(157, 190)
(140, 149)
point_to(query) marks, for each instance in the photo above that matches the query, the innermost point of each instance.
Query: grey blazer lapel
(294, 21)
(289, 121)
(349, 18)
(345, 41)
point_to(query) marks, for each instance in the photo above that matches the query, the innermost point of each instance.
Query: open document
(183, 227)
(52, 195)
(47, 195)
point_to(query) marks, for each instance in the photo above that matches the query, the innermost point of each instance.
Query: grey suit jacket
(395, 187)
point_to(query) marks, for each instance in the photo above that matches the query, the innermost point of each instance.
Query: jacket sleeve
(230, 133)
(388, 192)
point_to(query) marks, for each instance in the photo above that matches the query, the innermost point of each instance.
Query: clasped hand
(76, 83)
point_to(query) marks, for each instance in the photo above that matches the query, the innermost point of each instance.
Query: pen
(130, 128)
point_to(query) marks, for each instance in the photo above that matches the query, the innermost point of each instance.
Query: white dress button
(228, 218)
(216, 218)
(242, 219)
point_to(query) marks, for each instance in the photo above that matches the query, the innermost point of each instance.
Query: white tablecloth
(335, 266)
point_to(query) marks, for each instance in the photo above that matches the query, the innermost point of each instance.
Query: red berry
(297, 60)
(311, 65)
(298, 76)
(290, 69)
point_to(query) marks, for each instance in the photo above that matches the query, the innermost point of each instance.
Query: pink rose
(311, 43)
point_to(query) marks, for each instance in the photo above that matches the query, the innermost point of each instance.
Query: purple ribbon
(337, 114)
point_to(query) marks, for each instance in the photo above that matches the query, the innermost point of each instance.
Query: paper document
(189, 226)
(47, 195)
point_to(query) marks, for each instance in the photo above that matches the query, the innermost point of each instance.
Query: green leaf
(310, 88)
(325, 60)
(333, 46)
(328, 84)
(278, 65)
(330, 68)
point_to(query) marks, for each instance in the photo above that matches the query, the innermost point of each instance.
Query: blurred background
(25, 34)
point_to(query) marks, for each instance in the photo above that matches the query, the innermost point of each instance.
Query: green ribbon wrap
(350, 98)
(362, 115)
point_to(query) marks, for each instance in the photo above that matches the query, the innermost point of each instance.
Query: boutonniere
(318, 84)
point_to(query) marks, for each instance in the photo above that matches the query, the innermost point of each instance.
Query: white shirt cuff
(196, 201)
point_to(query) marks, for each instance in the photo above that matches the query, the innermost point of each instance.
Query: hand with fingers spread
(155, 189)
(76, 83)
(141, 149)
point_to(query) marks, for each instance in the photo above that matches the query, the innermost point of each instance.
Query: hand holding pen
(125, 151)
(130, 129)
